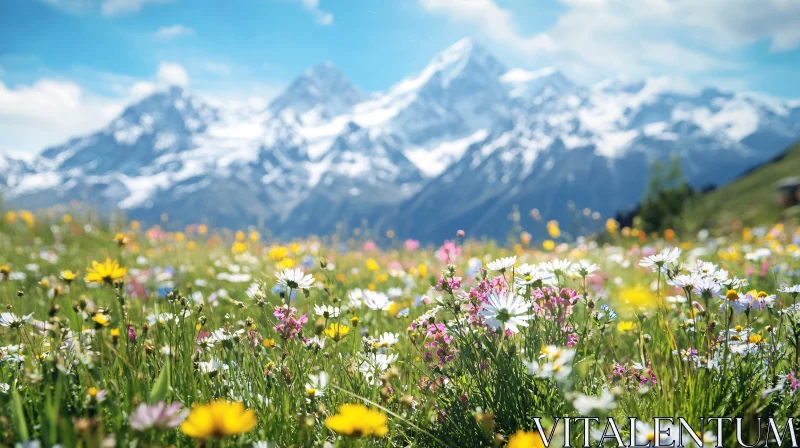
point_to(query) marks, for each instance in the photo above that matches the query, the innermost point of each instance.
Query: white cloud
(47, 112)
(141, 89)
(312, 6)
(173, 31)
(111, 8)
(172, 74)
(594, 38)
(729, 22)
(492, 20)
(50, 111)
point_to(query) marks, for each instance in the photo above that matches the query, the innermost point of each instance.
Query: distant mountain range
(455, 146)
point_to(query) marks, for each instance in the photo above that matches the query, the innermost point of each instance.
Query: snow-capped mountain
(457, 145)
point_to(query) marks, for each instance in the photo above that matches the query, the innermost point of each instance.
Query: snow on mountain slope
(433, 160)
(453, 146)
(522, 82)
(323, 91)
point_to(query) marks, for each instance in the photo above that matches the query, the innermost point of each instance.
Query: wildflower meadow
(121, 334)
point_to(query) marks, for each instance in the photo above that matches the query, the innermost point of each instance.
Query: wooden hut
(788, 191)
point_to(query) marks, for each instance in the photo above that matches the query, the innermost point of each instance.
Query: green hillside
(751, 198)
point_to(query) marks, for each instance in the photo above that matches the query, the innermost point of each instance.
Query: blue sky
(67, 65)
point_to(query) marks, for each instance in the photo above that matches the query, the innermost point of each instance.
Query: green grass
(426, 363)
(750, 199)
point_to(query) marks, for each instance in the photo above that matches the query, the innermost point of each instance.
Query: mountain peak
(325, 71)
(463, 58)
(463, 52)
(523, 82)
(462, 47)
(322, 87)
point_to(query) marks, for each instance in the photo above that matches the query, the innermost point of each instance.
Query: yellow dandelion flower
(101, 319)
(278, 253)
(548, 245)
(372, 265)
(637, 297)
(239, 247)
(612, 225)
(525, 439)
(626, 326)
(422, 270)
(553, 230)
(356, 420)
(268, 343)
(337, 331)
(106, 272)
(286, 263)
(218, 419)
(27, 217)
(121, 239)
(68, 276)
(11, 216)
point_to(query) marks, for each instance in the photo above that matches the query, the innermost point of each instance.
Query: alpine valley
(456, 146)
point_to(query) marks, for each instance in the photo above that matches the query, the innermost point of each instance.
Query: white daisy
(586, 268)
(528, 274)
(326, 311)
(317, 384)
(554, 362)
(254, 291)
(794, 290)
(507, 311)
(385, 340)
(659, 260)
(585, 404)
(14, 321)
(294, 279)
(373, 365)
(734, 300)
(356, 298)
(558, 267)
(502, 264)
(536, 276)
(684, 281)
(707, 287)
(376, 300)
